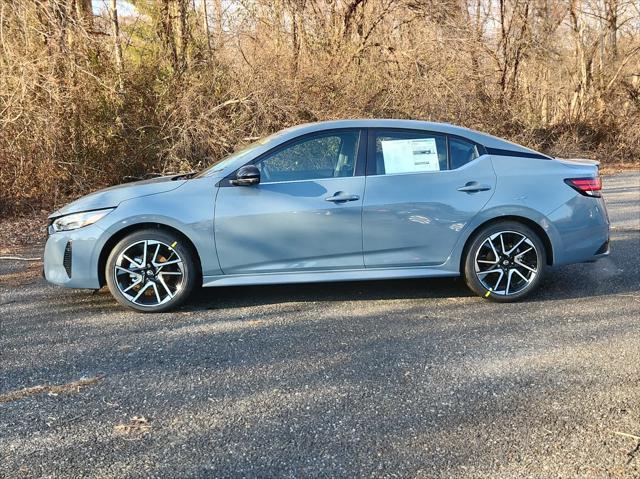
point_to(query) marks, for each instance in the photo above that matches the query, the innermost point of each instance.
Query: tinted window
(409, 152)
(326, 156)
(462, 152)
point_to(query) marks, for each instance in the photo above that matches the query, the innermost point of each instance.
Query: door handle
(473, 187)
(340, 197)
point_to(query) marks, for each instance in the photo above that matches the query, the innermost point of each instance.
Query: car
(336, 201)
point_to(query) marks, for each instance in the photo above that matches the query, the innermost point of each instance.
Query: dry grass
(69, 388)
(613, 168)
(137, 426)
(23, 230)
(31, 274)
(73, 119)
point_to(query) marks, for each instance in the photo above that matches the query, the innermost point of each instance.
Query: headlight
(78, 220)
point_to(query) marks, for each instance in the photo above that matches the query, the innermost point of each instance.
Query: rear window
(462, 152)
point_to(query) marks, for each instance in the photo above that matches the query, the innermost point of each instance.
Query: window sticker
(409, 156)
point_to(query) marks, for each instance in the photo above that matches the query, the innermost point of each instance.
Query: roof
(477, 136)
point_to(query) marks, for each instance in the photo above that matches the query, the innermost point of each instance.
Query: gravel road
(377, 379)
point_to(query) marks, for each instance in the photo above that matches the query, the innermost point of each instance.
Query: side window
(462, 152)
(331, 155)
(409, 152)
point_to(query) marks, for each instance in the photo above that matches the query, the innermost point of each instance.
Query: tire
(146, 283)
(489, 269)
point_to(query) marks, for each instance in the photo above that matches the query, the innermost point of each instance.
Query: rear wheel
(505, 262)
(151, 271)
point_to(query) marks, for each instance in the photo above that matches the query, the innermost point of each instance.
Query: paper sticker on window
(408, 156)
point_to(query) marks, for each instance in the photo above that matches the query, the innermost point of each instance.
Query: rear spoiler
(580, 161)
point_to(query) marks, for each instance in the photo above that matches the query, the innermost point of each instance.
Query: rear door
(422, 190)
(305, 214)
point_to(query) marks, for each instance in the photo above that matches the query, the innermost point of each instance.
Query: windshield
(235, 155)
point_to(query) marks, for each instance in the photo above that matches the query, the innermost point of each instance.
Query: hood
(113, 196)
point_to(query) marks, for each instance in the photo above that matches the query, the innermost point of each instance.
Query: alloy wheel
(506, 263)
(149, 273)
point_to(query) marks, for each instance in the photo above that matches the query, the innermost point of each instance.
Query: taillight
(586, 186)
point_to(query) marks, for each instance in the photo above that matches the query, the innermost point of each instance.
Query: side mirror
(246, 176)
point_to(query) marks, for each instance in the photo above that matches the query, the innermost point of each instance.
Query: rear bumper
(80, 267)
(582, 226)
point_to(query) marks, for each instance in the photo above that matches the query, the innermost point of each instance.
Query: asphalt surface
(377, 379)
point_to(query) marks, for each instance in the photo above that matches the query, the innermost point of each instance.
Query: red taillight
(585, 186)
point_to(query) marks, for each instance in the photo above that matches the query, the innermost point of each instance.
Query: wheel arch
(127, 230)
(540, 231)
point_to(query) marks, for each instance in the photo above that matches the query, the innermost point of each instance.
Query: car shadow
(235, 296)
(616, 274)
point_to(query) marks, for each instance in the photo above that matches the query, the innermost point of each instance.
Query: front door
(305, 214)
(422, 190)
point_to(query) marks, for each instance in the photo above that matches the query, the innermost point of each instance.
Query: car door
(422, 190)
(305, 214)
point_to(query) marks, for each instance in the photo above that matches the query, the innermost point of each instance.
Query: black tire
(480, 245)
(183, 278)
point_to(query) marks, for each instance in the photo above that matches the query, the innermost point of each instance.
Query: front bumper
(79, 269)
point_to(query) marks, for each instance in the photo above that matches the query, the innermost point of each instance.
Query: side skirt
(325, 276)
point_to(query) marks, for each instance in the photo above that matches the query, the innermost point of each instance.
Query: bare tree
(117, 46)
(166, 32)
(84, 9)
(205, 26)
(611, 9)
(219, 13)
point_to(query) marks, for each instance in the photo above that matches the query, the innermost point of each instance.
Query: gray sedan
(334, 201)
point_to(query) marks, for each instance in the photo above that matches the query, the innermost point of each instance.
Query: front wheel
(151, 271)
(505, 262)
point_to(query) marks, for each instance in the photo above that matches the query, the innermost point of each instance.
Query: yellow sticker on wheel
(173, 245)
(488, 293)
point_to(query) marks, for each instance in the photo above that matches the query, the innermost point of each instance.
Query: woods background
(92, 92)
